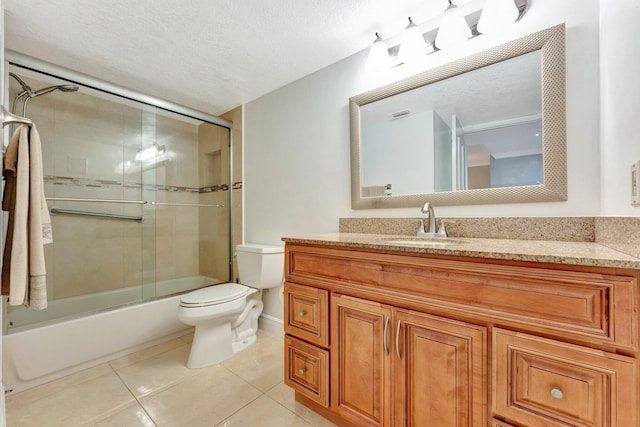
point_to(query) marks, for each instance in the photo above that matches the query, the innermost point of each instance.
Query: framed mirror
(488, 128)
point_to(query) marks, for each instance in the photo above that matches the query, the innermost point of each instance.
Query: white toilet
(226, 315)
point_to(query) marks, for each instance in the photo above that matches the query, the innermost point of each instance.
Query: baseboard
(271, 324)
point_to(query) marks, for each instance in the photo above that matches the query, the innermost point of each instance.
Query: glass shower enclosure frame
(138, 188)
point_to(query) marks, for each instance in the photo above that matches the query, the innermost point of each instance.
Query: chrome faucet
(428, 209)
(431, 231)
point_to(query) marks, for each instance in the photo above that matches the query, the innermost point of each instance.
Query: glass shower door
(139, 197)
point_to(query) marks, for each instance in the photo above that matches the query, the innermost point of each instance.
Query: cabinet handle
(384, 338)
(397, 339)
(556, 393)
(302, 313)
(302, 371)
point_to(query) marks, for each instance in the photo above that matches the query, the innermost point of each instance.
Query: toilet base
(216, 341)
(215, 344)
(244, 344)
(211, 345)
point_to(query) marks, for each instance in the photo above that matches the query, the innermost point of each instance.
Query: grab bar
(196, 205)
(137, 202)
(71, 199)
(55, 211)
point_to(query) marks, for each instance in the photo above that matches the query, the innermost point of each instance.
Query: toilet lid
(216, 294)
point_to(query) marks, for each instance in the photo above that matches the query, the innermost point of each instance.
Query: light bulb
(496, 15)
(413, 47)
(378, 59)
(453, 29)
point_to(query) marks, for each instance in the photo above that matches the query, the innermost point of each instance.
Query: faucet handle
(442, 230)
(420, 226)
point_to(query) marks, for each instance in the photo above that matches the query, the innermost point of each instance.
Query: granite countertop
(572, 253)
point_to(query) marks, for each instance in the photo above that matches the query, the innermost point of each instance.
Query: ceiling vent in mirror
(400, 114)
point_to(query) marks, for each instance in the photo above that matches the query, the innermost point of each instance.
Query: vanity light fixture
(453, 30)
(494, 17)
(413, 46)
(378, 59)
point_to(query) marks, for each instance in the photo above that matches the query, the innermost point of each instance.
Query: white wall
(297, 165)
(620, 102)
(386, 164)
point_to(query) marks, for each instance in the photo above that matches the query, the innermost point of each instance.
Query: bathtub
(34, 355)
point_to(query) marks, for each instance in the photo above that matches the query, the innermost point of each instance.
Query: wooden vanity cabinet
(416, 340)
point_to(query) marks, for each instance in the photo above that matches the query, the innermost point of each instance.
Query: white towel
(40, 232)
(29, 221)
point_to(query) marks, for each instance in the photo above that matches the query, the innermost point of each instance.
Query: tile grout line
(221, 364)
(284, 406)
(135, 398)
(141, 404)
(138, 400)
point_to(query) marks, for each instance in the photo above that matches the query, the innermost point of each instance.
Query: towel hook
(8, 118)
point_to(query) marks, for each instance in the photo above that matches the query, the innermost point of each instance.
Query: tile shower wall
(213, 147)
(89, 145)
(176, 227)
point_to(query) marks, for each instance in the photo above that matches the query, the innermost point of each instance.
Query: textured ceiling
(211, 55)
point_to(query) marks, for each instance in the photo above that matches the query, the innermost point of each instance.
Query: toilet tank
(260, 266)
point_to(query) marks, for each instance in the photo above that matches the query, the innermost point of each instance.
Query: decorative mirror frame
(551, 43)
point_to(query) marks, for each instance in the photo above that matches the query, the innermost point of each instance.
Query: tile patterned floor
(154, 388)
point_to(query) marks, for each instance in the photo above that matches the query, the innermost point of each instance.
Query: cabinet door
(439, 371)
(360, 389)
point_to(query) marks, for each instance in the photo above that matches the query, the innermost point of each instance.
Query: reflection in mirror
(473, 141)
(473, 131)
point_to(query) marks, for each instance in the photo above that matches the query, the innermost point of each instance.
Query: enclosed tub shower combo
(140, 196)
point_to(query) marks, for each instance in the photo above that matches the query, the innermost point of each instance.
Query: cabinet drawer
(540, 382)
(307, 370)
(307, 313)
(498, 423)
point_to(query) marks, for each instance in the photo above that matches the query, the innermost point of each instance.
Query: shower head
(31, 94)
(44, 91)
(68, 88)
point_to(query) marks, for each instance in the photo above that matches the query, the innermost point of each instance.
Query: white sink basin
(426, 241)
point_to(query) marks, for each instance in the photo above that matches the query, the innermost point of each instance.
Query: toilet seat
(214, 295)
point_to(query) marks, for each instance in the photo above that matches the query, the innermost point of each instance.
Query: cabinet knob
(302, 371)
(301, 313)
(556, 393)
